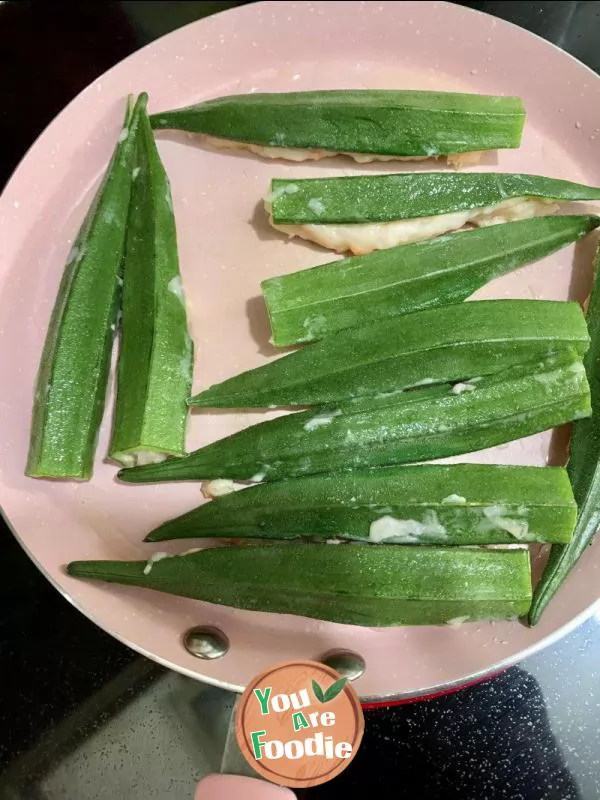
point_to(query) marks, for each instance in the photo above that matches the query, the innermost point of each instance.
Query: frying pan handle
(237, 787)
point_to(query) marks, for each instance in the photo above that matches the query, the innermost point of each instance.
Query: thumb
(236, 787)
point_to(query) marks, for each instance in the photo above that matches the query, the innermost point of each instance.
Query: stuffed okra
(155, 359)
(453, 343)
(310, 304)
(371, 212)
(367, 125)
(458, 504)
(584, 472)
(72, 379)
(370, 586)
(391, 429)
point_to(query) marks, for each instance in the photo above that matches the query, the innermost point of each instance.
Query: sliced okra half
(584, 473)
(156, 354)
(364, 124)
(362, 213)
(310, 304)
(457, 504)
(391, 429)
(453, 343)
(73, 374)
(370, 586)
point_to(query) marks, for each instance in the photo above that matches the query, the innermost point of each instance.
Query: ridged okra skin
(371, 586)
(453, 343)
(156, 354)
(400, 123)
(384, 198)
(416, 426)
(584, 472)
(314, 303)
(456, 504)
(73, 374)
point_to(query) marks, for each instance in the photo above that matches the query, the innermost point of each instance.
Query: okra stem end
(79, 569)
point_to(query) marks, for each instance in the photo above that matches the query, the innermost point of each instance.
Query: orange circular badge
(299, 724)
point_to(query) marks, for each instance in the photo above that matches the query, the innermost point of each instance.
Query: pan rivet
(206, 642)
(350, 665)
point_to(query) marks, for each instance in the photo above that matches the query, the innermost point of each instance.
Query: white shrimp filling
(407, 531)
(140, 458)
(160, 556)
(456, 160)
(219, 487)
(153, 560)
(364, 237)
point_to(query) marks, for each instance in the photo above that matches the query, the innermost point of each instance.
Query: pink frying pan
(226, 249)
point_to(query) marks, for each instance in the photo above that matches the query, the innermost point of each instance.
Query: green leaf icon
(330, 693)
(334, 690)
(318, 692)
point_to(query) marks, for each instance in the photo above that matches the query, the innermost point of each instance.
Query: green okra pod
(358, 199)
(584, 472)
(373, 212)
(458, 504)
(391, 429)
(452, 343)
(156, 354)
(72, 379)
(371, 122)
(310, 304)
(370, 586)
